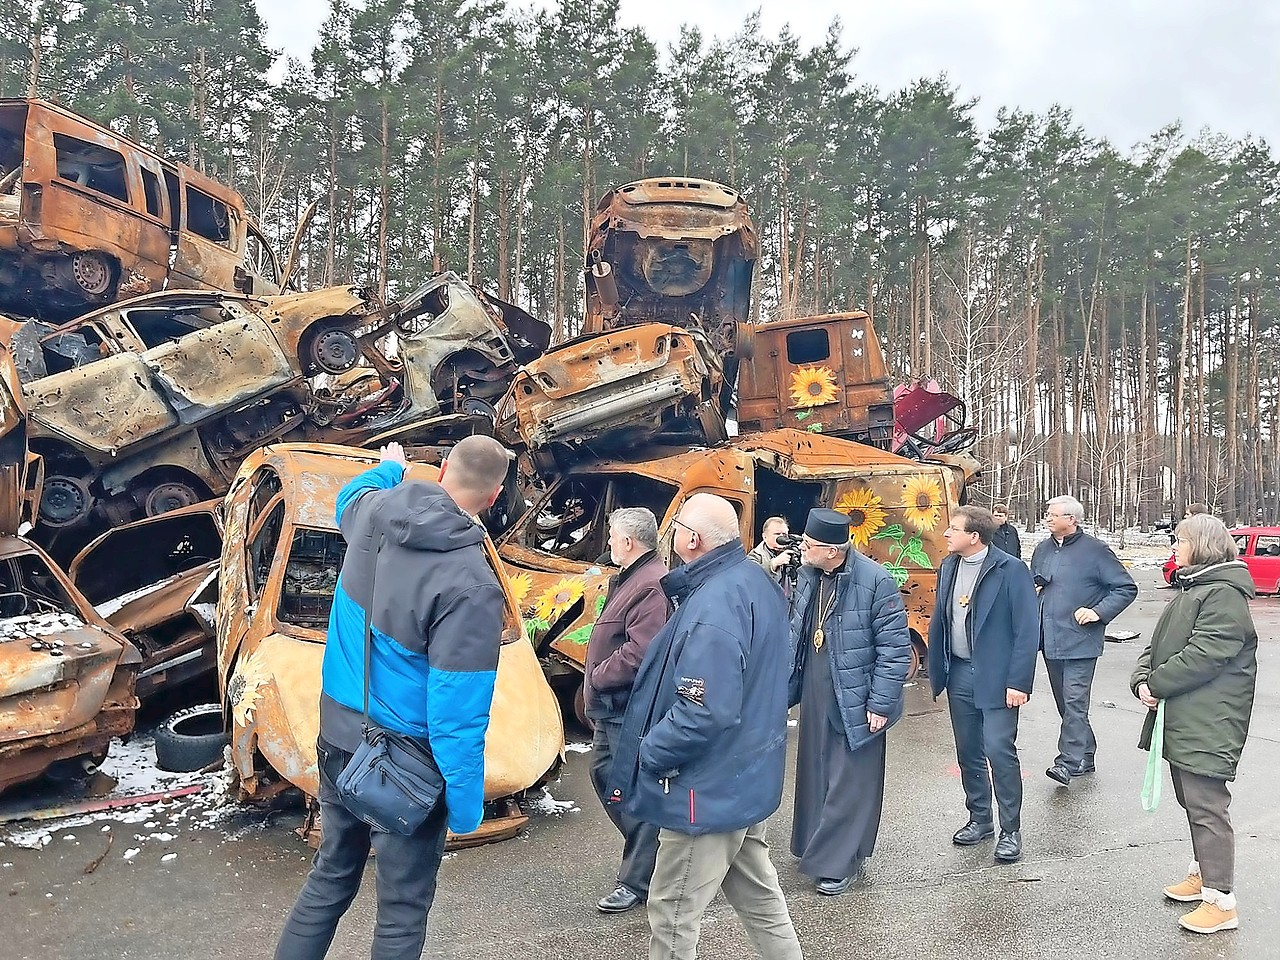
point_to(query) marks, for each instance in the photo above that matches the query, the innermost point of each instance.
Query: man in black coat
(852, 653)
(633, 613)
(1005, 537)
(982, 652)
(1083, 587)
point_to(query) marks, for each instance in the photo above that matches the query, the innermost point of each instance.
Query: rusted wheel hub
(92, 273)
(334, 351)
(171, 495)
(64, 500)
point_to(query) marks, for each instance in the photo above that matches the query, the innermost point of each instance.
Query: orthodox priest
(852, 653)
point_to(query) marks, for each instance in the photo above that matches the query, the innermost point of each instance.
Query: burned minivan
(280, 566)
(88, 217)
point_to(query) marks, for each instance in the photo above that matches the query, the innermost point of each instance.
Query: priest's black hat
(827, 526)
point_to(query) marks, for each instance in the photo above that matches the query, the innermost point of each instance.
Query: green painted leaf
(803, 415)
(913, 552)
(533, 626)
(814, 428)
(581, 635)
(600, 604)
(899, 573)
(892, 532)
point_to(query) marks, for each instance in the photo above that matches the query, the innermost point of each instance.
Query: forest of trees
(1108, 315)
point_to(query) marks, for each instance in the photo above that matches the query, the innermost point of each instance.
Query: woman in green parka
(1202, 662)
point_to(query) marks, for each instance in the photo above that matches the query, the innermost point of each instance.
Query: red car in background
(1259, 548)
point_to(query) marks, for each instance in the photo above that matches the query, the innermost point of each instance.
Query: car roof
(312, 474)
(1256, 531)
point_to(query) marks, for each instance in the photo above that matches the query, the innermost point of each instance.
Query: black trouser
(405, 868)
(982, 736)
(639, 840)
(1072, 684)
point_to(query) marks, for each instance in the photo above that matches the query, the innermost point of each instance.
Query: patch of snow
(38, 625)
(132, 852)
(548, 805)
(577, 748)
(109, 607)
(168, 856)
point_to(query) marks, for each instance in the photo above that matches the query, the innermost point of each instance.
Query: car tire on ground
(191, 739)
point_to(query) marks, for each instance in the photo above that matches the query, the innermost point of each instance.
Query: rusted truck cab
(88, 217)
(821, 374)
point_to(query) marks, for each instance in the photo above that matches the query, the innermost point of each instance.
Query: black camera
(789, 541)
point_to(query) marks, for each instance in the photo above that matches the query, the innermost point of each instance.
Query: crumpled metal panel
(107, 406)
(209, 371)
(601, 383)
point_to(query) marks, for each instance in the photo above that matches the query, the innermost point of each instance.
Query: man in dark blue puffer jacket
(703, 744)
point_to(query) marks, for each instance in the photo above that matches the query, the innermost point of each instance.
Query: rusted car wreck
(151, 404)
(279, 570)
(87, 217)
(900, 509)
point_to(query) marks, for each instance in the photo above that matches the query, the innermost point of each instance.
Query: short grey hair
(638, 523)
(1208, 539)
(717, 535)
(1069, 507)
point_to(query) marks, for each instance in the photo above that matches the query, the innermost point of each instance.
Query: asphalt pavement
(219, 884)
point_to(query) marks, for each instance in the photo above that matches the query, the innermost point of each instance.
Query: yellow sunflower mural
(922, 505)
(558, 598)
(813, 386)
(521, 583)
(865, 513)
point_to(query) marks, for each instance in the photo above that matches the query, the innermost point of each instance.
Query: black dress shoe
(973, 832)
(831, 887)
(1009, 847)
(1059, 773)
(620, 901)
(1086, 767)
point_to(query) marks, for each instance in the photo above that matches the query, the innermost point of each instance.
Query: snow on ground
(133, 766)
(577, 748)
(547, 805)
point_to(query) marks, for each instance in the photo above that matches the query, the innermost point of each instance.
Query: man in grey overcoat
(1082, 587)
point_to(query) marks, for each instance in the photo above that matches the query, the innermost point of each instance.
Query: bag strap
(368, 625)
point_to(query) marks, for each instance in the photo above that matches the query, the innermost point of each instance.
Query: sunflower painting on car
(813, 386)
(897, 521)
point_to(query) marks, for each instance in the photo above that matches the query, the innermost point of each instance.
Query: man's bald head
(474, 472)
(711, 518)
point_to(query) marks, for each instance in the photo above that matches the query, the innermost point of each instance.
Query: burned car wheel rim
(63, 501)
(92, 273)
(169, 496)
(334, 351)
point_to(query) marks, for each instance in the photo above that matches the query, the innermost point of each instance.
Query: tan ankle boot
(1187, 891)
(1217, 911)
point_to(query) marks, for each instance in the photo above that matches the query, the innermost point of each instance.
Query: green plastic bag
(1154, 779)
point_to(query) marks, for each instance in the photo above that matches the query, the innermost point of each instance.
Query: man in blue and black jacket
(704, 739)
(436, 623)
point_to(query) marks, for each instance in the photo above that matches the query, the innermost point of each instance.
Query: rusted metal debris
(88, 217)
(151, 404)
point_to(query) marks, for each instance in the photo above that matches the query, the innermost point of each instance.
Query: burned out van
(88, 217)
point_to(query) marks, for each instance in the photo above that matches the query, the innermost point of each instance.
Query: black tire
(191, 739)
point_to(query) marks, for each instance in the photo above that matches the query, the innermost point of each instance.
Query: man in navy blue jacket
(983, 639)
(704, 739)
(436, 624)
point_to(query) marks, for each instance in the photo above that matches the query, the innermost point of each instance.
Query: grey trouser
(688, 873)
(1213, 842)
(639, 840)
(1072, 685)
(985, 737)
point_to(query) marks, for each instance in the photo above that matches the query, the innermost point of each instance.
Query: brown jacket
(636, 609)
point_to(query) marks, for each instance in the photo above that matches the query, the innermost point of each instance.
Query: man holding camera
(772, 551)
(852, 653)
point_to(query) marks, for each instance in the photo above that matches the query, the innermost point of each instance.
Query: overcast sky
(1124, 67)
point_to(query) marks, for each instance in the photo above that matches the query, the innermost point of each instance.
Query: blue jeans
(406, 870)
(984, 736)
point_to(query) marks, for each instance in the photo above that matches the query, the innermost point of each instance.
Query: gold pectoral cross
(818, 637)
(964, 600)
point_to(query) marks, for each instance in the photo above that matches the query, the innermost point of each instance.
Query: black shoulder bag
(392, 782)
